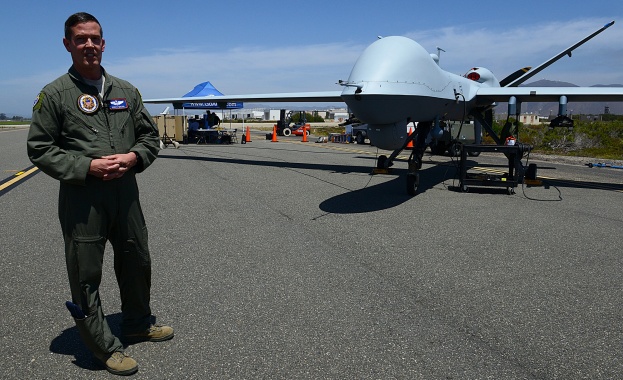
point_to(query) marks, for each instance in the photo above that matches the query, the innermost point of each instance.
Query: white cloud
(239, 69)
(504, 51)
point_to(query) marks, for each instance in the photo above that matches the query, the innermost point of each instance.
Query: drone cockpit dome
(482, 75)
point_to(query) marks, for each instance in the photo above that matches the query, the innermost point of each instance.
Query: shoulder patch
(37, 104)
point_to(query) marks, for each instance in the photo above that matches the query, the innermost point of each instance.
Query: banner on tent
(213, 105)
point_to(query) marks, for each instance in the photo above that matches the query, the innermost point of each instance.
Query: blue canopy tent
(205, 89)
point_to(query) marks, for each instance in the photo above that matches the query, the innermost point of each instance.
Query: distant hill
(549, 83)
(608, 85)
(544, 109)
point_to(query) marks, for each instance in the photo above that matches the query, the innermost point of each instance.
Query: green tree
(311, 118)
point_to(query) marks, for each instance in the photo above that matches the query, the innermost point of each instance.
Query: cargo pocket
(89, 259)
(139, 247)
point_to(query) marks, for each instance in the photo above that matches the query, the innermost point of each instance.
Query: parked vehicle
(356, 129)
(285, 126)
(297, 129)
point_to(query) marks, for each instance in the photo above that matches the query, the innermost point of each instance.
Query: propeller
(517, 74)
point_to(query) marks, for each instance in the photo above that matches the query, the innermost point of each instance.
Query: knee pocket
(137, 247)
(89, 253)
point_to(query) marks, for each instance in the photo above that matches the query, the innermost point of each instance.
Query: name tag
(117, 104)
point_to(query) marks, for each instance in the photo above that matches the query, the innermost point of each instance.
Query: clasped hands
(113, 166)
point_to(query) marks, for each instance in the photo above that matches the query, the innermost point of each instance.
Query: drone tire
(380, 163)
(455, 150)
(413, 181)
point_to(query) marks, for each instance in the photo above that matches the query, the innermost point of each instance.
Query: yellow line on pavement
(18, 177)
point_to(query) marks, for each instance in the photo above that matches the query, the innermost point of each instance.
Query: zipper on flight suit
(105, 108)
(79, 121)
(92, 129)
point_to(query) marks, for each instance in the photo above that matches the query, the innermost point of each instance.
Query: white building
(524, 118)
(272, 114)
(340, 116)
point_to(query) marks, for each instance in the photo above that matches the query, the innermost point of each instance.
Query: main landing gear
(415, 158)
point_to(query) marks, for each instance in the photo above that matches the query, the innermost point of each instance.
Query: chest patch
(117, 104)
(88, 104)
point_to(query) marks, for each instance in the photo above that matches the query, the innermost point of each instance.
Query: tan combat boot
(120, 363)
(155, 333)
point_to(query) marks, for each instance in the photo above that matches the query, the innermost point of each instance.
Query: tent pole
(185, 126)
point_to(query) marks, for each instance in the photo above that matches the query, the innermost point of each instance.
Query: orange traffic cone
(274, 134)
(247, 135)
(410, 144)
(304, 134)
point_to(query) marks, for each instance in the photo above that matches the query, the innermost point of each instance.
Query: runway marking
(488, 170)
(22, 175)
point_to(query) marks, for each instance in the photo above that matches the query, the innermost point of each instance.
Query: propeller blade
(504, 82)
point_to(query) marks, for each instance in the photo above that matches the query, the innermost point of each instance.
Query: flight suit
(71, 125)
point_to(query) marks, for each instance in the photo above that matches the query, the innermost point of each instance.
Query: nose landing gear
(415, 158)
(414, 165)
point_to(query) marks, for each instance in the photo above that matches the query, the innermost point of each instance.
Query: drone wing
(488, 95)
(295, 97)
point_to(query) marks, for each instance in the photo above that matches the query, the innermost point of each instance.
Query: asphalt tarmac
(289, 260)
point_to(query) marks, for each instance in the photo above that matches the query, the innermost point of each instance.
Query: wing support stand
(486, 122)
(506, 144)
(511, 129)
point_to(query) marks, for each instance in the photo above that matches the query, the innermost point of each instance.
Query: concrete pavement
(289, 260)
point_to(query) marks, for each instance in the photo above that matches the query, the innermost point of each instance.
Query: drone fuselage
(395, 81)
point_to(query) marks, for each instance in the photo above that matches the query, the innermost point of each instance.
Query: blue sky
(165, 48)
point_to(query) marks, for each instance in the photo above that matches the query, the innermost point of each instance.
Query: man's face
(86, 46)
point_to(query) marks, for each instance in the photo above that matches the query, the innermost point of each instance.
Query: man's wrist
(138, 158)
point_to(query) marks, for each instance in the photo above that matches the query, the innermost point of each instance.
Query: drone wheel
(380, 163)
(413, 181)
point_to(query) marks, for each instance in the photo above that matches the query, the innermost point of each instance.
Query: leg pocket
(84, 265)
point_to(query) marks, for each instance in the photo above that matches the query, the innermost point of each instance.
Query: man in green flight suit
(91, 132)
